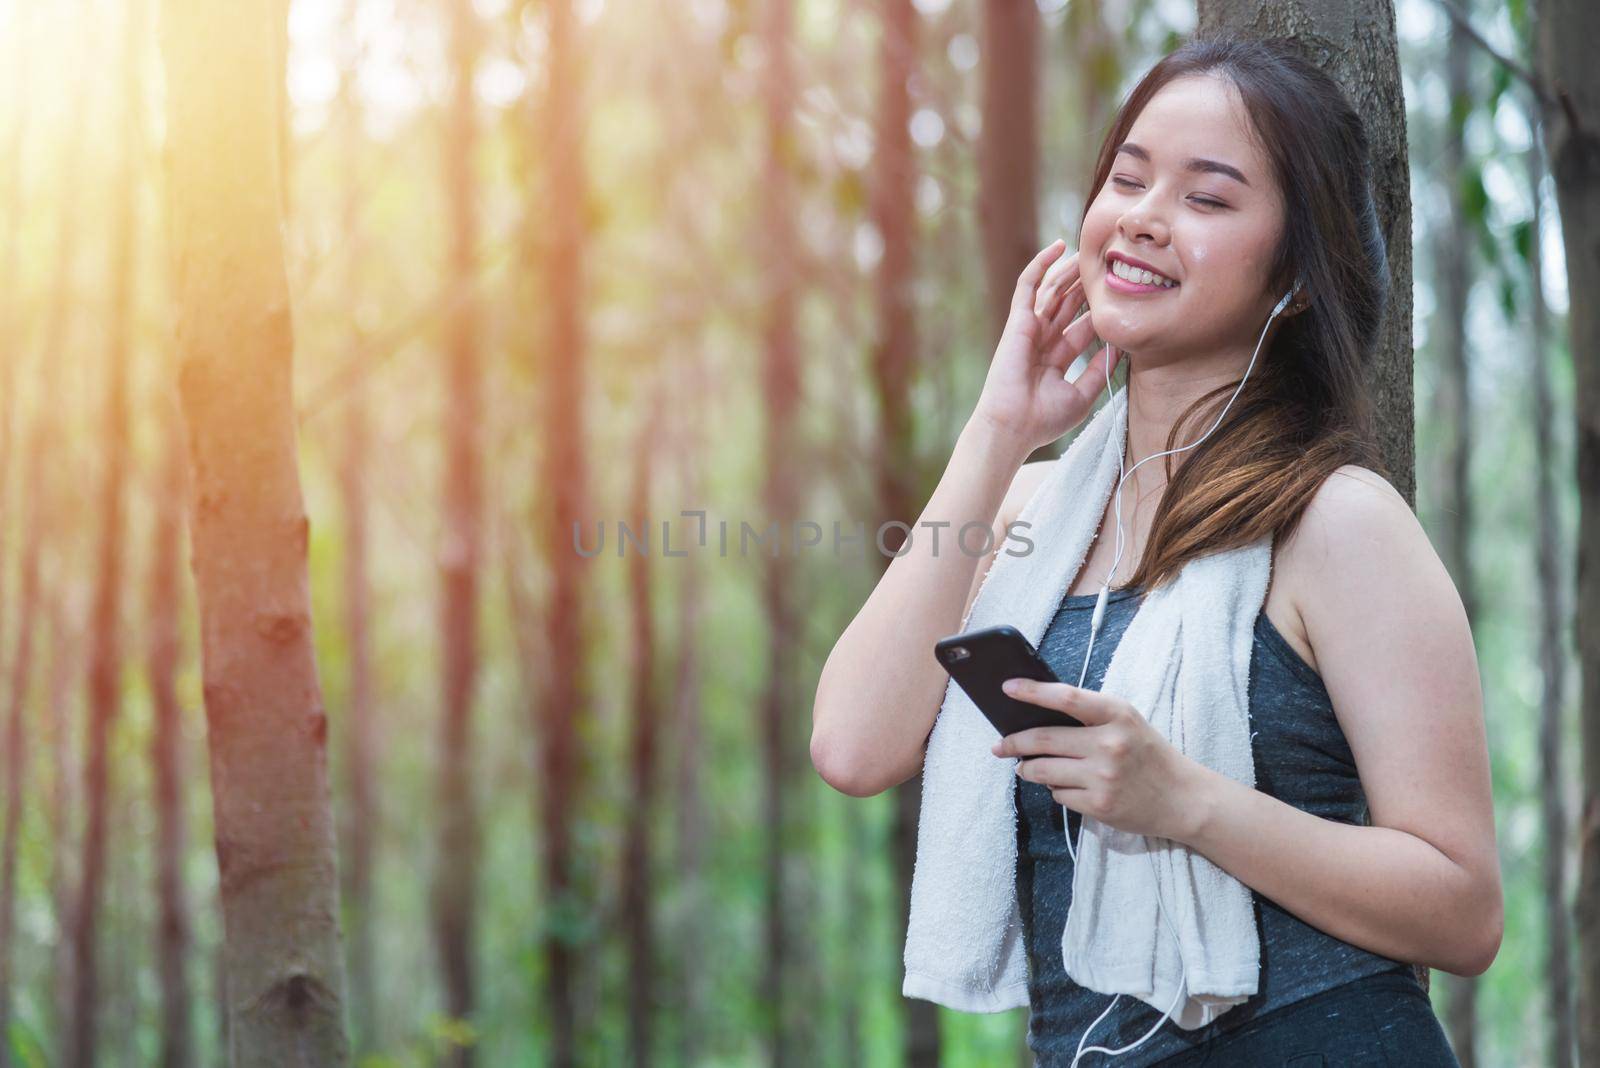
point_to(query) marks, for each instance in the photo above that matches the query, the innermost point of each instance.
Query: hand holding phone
(981, 660)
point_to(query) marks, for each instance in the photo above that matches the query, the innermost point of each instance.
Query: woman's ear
(1300, 301)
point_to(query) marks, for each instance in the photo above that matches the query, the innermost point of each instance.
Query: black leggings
(1379, 1020)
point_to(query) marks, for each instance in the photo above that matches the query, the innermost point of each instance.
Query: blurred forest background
(621, 260)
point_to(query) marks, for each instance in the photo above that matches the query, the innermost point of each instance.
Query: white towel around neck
(1183, 662)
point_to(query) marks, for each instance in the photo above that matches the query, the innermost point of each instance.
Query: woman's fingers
(1064, 306)
(1065, 343)
(1065, 270)
(1067, 740)
(1058, 353)
(1061, 277)
(1059, 773)
(1028, 281)
(1054, 310)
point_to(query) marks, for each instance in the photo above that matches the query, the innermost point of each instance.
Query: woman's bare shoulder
(1354, 503)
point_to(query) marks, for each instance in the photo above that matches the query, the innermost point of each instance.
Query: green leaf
(1502, 82)
(1522, 239)
(1489, 247)
(26, 1049)
(1474, 198)
(1518, 10)
(452, 1031)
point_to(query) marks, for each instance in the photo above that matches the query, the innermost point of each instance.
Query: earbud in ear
(1289, 296)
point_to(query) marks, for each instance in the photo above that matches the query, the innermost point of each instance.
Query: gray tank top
(1301, 757)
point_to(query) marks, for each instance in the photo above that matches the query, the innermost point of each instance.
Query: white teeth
(1121, 269)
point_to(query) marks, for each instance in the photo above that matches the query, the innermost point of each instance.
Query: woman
(1234, 171)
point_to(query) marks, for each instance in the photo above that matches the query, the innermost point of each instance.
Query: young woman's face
(1172, 203)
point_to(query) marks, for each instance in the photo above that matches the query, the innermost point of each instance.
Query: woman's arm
(881, 688)
(1394, 649)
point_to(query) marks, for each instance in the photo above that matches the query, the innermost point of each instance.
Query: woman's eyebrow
(1204, 166)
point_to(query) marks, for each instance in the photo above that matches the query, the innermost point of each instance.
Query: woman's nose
(1144, 221)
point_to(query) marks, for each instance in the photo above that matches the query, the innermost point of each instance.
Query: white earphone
(1094, 629)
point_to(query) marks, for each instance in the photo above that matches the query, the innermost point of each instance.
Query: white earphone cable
(1094, 629)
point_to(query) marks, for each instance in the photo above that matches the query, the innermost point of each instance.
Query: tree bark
(893, 365)
(455, 883)
(168, 761)
(638, 911)
(105, 646)
(780, 388)
(57, 335)
(163, 651)
(163, 654)
(1568, 29)
(11, 334)
(682, 86)
(1552, 654)
(1099, 69)
(267, 730)
(1454, 410)
(564, 473)
(360, 729)
(694, 948)
(15, 733)
(1008, 149)
(64, 652)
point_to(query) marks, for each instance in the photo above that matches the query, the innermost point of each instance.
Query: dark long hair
(1305, 410)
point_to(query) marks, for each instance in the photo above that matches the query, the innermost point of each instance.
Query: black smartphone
(981, 660)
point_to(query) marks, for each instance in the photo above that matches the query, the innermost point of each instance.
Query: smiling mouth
(1122, 285)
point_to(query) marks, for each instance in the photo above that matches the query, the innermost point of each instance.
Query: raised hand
(1026, 393)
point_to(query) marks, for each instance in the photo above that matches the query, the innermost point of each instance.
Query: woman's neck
(1159, 395)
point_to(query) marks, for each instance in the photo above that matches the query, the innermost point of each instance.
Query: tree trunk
(1099, 70)
(638, 905)
(11, 332)
(695, 949)
(1355, 42)
(565, 475)
(11, 335)
(780, 388)
(1008, 149)
(893, 364)
(1572, 138)
(267, 731)
(455, 886)
(57, 336)
(360, 729)
(163, 654)
(105, 647)
(15, 734)
(1552, 658)
(679, 82)
(1454, 406)
(63, 655)
(173, 940)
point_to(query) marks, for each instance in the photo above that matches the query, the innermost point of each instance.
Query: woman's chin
(1120, 331)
